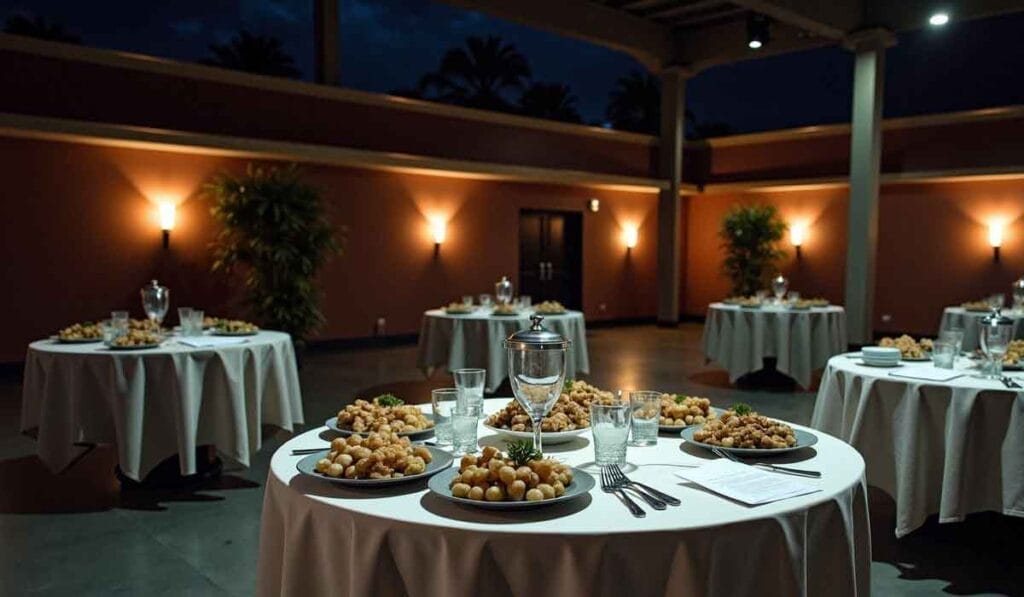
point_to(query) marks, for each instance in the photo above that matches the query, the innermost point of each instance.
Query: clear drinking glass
(443, 402)
(197, 321)
(108, 330)
(943, 354)
(119, 321)
(645, 412)
(467, 299)
(609, 424)
(525, 301)
(995, 339)
(955, 336)
(485, 300)
(465, 419)
(470, 384)
(185, 320)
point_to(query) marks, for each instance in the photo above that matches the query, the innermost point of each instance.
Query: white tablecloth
(321, 539)
(970, 323)
(475, 340)
(159, 402)
(801, 340)
(950, 448)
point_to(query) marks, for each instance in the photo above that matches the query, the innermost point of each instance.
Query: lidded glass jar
(536, 370)
(503, 291)
(779, 287)
(1018, 293)
(156, 299)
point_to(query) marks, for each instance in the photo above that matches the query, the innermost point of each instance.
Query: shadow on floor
(28, 487)
(979, 555)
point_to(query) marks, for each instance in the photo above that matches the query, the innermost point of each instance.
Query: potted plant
(750, 236)
(276, 234)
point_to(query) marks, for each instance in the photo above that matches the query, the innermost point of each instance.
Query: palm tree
(478, 75)
(255, 54)
(635, 103)
(39, 27)
(553, 101)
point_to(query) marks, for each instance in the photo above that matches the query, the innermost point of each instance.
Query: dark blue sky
(389, 44)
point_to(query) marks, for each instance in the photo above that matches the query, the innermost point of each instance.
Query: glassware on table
(955, 336)
(156, 299)
(536, 370)
(779, 286)
(485, 300)
(525, 301)
(943, 354)
(995, 334)
(465, 421)
(1018, 294)
(610, 424)
(443, 402)
(119, 321)
(503, 291)
(996, 301)
(108, 331)
(186, 322)
(467, 299)
(645, 414)
(470, 384)
(198, 315)
(761, 295)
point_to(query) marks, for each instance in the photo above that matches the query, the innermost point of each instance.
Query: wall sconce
(797, 235)
(995, 237)
(594, 205)
(438, 229)
(629, 237)
(166, 211)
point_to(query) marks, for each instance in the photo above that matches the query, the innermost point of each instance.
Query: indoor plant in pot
(750, 239)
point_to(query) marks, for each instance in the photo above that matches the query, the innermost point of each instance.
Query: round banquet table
(317, 538)
(475, 340)
(801, 340)
(970, 323)
(947, 447)
(158, 402)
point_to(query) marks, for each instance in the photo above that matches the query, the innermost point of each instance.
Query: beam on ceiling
(647, 41)
(831, 20)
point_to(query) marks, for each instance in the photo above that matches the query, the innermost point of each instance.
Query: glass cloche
(536, 370)
(779, 287)
(503, 291)
(156, 299)
(1018, 293)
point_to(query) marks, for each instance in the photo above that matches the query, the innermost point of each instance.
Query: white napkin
(745, 483)
(927, 373)
(211, 341)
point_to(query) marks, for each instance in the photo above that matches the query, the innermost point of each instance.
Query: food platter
(332, 424)
(804, 439)
(915, 359)
(78, 340)
(134, 347)
(549, 438)
(216, 332)
(440, 484)
(678, 428)
(440, 460)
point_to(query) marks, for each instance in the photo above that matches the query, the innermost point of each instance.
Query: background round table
(970, 323)
(802, 340)
(321, 539)
(159, 402)
(475, 340)
(950, 448)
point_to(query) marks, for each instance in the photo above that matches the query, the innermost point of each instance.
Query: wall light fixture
(167, 215)
(995, 237)
(439, 230)
(797, 236)
(630, 236)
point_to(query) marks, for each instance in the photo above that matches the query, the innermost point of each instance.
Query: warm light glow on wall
(995, 233)
(797, 233)
(167, 213)
(629, 236)
(438, 229)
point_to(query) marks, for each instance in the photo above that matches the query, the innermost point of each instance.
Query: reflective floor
(77, 534)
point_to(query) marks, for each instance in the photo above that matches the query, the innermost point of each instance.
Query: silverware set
(772, 467)
(615, 482)
(1009, 382)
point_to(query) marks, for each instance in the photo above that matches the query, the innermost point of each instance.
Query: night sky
(389, 44)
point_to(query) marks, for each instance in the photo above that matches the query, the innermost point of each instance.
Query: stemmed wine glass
(536, 370)
(779, 286)
(156, 299)
(996, 331)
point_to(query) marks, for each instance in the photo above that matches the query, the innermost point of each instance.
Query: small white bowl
(880, 353)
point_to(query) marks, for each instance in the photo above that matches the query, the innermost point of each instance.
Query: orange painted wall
(80, 237)
(933, 247)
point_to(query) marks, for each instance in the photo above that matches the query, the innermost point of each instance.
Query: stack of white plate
(880, 356)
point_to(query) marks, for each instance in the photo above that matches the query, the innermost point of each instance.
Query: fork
(619, 481)
(608, 486)
(1009, 382)
(622, 480)
(774, 467)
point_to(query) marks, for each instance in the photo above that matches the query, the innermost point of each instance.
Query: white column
(325, 41)
(670, 169)
(865, 167)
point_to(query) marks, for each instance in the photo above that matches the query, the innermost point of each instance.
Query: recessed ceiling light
(754, 44)
(938, 19)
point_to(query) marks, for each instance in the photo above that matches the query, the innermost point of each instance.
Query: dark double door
(551, 256)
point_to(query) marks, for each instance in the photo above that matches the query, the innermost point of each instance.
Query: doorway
(551, 256)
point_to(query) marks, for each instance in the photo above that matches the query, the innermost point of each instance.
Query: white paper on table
(927, 373)
(745, 483)
(211, 341)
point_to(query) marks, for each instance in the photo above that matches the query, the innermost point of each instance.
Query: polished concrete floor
(77, 534)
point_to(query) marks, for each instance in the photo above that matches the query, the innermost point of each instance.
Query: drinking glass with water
(465, 419)
(610, 425)
(442, 402)
(470, 384)
(645, 413)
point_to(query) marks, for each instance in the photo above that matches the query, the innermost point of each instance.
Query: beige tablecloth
(321, 539)
(950, 448)
(970, 323)
(156, 403)
(802, 341)
(475, 340)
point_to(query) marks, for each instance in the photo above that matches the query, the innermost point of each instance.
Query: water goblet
(536, 367)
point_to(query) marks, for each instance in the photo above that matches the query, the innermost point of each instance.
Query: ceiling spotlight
(758, 31)
(938, 19)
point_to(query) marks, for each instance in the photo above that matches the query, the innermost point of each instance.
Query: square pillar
(670, 169)
(325, 41)
(865, 171)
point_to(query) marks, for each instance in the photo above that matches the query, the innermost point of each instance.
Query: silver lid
(995, 318)
(537, 337)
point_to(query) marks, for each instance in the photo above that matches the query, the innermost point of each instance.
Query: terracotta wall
(80, 237)
(933, 247)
